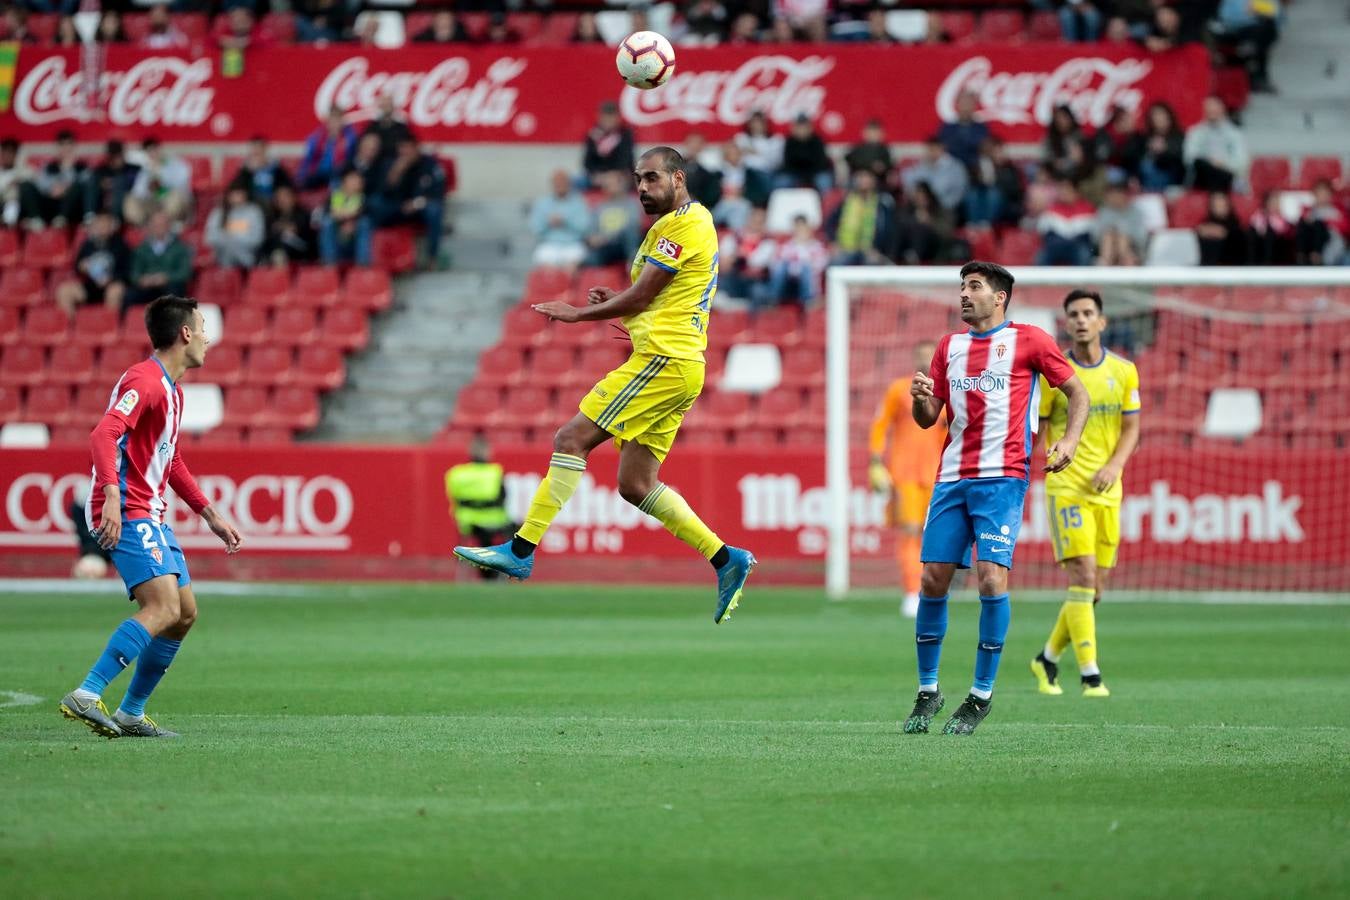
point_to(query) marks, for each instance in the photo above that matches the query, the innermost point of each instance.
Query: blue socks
(124, 646)
(154, 662)
(930, 627)
(995, 613)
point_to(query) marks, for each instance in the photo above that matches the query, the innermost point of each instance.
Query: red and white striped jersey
(988, 382)
(148, 407)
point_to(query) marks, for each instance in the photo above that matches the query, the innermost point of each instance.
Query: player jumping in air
(135, 450)
(1084, 498)
(904, 470)
(986, 378)
(641, 404)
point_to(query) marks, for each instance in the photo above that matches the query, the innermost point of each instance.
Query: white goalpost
(1212, 509)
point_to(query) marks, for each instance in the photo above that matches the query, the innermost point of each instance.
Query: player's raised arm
(632, 301)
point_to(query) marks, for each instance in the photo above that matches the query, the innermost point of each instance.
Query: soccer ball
(645, 60)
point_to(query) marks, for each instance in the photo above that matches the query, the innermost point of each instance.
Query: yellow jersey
(1113, 393)
(683, 241)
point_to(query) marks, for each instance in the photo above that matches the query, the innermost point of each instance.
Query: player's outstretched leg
(499, 558)
(731, 577)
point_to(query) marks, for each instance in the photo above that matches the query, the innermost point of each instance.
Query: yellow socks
(671, 510)
(564, 474)
(1082, 621)
(1059, 635)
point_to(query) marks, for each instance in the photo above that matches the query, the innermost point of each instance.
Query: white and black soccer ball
(645, 60)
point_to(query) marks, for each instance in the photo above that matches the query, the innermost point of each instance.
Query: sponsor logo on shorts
(128, 402)
(996, 538)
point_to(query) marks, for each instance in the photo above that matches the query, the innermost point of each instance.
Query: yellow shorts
(645, 400)
(909, 503)
(1084, 529)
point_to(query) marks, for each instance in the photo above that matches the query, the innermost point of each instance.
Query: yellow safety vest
(475, 493)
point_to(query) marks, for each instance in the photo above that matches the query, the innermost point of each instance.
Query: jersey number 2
(147, 535)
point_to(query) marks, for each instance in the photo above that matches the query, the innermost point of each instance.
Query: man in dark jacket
(805, 162)
(411, 189)
(609, 145)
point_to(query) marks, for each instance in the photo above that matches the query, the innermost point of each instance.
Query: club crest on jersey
(128, 402)
(1001, 350)
(669, 248)
(157, 555)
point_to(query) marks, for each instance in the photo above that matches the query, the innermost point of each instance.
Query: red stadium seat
(1019, 248)
(552, 361)
(203, 175)
(526, 25)
(345, 329)
(1317, 168)
(95, 326)
(46, 249)
(1000, 26)
(1232, 85)
(11, 330)
(114, 360)
(501, 365)
(268, 366)
(245, 406)
(71, 364)
(136, 26)
(281, 26)
(598, 359)
(547, 284)
(245, 325)
(9, 248)
(270, 286)
(476, 405)
(294, 325)
(1269, 173)
(11, 407)
(316, 286)
(522, 325)
(194, 25)
(73, 435)
(392, 249)
(265, 435)
(22, 287)
(49, 404)
(225, 365)
(220, 436)
(526, 405)
(43, 27)
(804, 367)
(723, 409)
(782, 326)
(1042, 26)
(368, 289)
(219, 286)
(319, 368)
(779, 409)
(755, 436)
(1189, 210)
(957, 26)
(46, 326)
(558, 28)
(292, 407)
(600, 276)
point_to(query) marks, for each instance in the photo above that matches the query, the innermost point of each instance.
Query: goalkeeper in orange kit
(904, 462)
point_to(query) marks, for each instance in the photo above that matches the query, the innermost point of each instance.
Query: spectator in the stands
(367, 159)
(163, 184)
(235, 229)
(1118, 139)
(445, 28)
(615, 223)
(609, 146)
(1117, 31)
(705, 22)
(559, 221)
(1042, 191)
(411, 191)
(807, 17)
(163, 34)
(872, 152)
(1062, 131)
(260, 175)
(704, 183)
(1086, 171)
(739, 184)
(327, 150)
(110, 182)
(390, 126)
(761, 149)
(1066, 228)
(160, 264)
(995, 193)
(963, 137)
(940, 171)
(102, 268)
(744, 29)
(345, 228)
(877, 33)
(862, 228)
(935, 33)
(1223, 241)
(290, 230)
(924, 228)
(16, 26)
(780, 32)
(1270, 236)
(745, 257)
(1324, 229)
(1251, 27)
(586, 32)
(1162, 162)
(1167, 30)
(366, 30)
(321, 21)
(1216, 150)
(56, 196)
(499, 30)
(242, 31)
(67, 36)
(13, 177)
(805, 161)
(110, 28)
(1120, 230)
(1079, 20)
(797, 268)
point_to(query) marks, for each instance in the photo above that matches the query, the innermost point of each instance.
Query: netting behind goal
(1240, 480)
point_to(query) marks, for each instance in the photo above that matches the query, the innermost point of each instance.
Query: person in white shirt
(1215, 151)
(164, 184)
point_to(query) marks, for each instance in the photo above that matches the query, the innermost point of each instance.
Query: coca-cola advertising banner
(550, 94)
(1254, 521)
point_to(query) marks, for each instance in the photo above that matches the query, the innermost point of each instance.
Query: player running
(904, 470)
(641, 404)
(135, 450)
(986, 378)
(1084, 498)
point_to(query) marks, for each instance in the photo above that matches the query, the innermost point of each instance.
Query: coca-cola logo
(1090, 86)
(779, 86)
(446, 95)
(156, 91)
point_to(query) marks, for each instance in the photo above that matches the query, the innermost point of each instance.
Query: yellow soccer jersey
(1113, 393)
(682, 241)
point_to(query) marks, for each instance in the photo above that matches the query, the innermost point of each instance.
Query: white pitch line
(18, 698)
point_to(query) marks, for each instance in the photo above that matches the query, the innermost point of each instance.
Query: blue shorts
(147, 550)
(986, 512)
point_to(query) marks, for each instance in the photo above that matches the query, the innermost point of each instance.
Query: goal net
(1239, 481)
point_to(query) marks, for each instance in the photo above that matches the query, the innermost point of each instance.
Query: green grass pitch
(534, 741)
